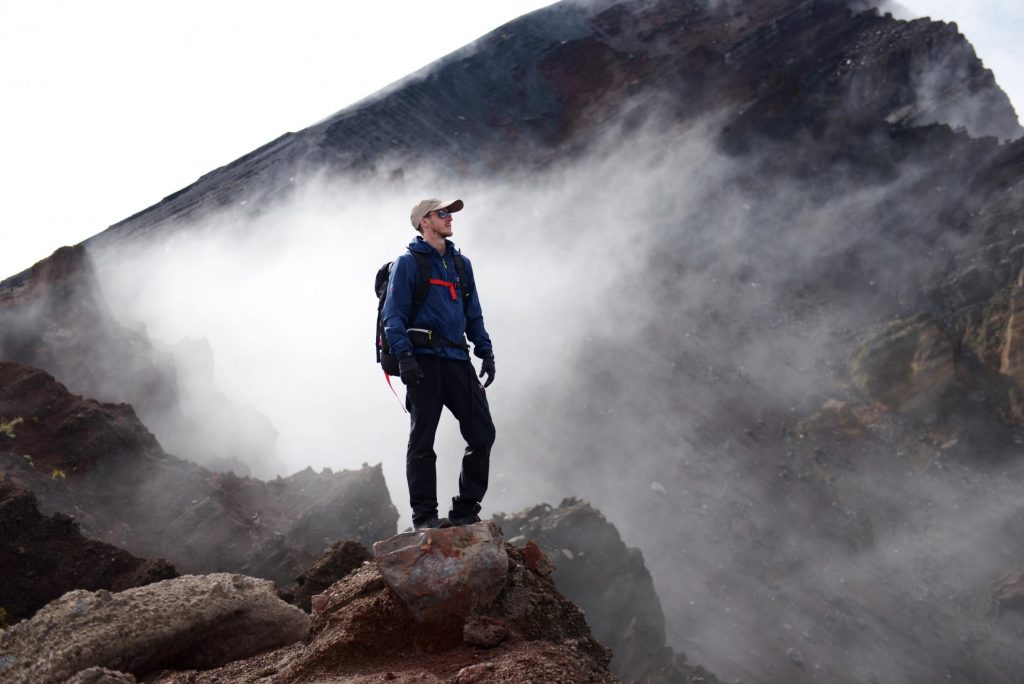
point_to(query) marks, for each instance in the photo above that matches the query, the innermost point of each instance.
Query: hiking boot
(462, 520)
(433, 524)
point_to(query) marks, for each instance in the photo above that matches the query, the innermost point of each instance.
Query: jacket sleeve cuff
(484, 353)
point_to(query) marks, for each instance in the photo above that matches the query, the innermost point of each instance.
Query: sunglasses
(443, 213)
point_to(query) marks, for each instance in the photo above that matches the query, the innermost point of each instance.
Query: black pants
(453, 384)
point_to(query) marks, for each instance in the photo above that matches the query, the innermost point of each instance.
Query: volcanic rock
(191, 621)
(444, 573)
(97, 463)
(607, 579)
(101, 675)
(1008, 593)
(913, 368)
(485, 632)
(42, 558)
(908, 368)
(342, 558)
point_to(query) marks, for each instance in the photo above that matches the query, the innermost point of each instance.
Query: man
(434, 363)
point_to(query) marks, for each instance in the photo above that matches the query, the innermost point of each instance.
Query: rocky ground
(516, 628)
(96, 461)
(364, 633)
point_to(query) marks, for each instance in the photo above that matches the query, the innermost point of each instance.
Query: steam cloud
(638, 298)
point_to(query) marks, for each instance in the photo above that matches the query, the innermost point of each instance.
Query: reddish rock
(485, 631)
(444, 573)
(536, 560)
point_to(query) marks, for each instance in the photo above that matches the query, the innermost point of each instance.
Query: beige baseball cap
(432, 204)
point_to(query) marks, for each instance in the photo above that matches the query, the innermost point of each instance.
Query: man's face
(437, 222)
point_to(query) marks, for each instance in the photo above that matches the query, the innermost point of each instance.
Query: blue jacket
(439, 313)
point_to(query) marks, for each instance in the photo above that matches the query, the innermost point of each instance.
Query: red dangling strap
(388, 378)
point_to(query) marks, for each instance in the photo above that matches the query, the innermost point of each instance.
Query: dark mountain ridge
(546, 83)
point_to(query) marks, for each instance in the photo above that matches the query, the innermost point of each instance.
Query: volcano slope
(784, 300)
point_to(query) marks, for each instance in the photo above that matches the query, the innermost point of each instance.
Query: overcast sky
(110, 105)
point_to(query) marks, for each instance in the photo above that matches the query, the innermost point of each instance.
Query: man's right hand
(408, 369)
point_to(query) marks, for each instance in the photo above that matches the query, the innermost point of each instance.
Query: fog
(284, 297)
(663, 316)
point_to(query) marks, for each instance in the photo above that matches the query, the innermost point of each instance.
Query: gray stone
(101, 675)
(192, 622)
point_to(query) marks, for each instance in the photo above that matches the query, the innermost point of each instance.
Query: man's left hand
(487, 368)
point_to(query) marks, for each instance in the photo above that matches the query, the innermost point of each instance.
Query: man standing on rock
(427, 332)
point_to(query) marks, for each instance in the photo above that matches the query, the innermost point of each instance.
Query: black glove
(487, 367)
(408, 369)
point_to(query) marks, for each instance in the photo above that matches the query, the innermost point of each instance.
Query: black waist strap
(421, 337)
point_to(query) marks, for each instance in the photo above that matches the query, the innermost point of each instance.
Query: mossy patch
(7, 427)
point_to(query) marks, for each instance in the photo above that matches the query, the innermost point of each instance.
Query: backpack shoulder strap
(464, 284)
(422, 287)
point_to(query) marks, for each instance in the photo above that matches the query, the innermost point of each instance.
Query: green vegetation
(7, 428)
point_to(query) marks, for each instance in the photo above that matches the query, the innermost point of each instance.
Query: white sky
(110, 105)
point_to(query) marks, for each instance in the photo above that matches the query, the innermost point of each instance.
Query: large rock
(1008, 592)
(192, 621)
(42, 558)
(915, 369)
(444, 573)
(909, 366)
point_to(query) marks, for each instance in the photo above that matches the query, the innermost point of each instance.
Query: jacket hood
(418, 244)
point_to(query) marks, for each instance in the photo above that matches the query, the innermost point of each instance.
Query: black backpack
(385, 358)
